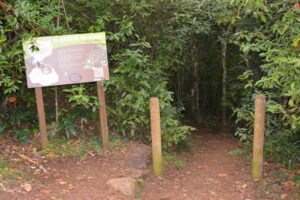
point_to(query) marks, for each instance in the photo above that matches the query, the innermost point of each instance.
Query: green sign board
(67, 59)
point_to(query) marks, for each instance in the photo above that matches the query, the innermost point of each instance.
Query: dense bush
(271, 48)
(137, 74)
(208, 57)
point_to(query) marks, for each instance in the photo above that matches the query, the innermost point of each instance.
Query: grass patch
(243, 152)
(80, 147)
(173, 160)
(140, 182)
(8, 174)
(180, 164)
(235, 152)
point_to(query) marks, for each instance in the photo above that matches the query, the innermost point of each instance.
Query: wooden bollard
(156, 136)
(258, 142)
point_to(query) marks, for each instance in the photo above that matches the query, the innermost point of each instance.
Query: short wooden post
(102, 116)
(156, 136)
(258, 142)
(41, 115)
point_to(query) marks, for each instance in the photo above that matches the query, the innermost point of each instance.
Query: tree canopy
(205, 60)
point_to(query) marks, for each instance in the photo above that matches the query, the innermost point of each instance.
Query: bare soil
(207, 173)
(210, 174)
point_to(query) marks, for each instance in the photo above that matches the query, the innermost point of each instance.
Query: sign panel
(67, 59)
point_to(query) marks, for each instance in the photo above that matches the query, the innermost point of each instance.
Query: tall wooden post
(41, 115)
(156, 136)
(258, 142)
(102, 116)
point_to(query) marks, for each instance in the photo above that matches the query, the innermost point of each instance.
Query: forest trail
(210, 173)
(205, 172)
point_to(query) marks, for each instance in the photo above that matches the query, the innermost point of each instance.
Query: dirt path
(210, 174)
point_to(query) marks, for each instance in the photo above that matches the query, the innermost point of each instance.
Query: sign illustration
(67, 59)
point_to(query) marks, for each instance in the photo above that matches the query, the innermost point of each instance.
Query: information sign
(67, 59)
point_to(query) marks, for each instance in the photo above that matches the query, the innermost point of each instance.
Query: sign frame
(39, 91)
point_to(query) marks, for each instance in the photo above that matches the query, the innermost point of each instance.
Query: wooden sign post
(258, 142)
(42, 118)
(102, 116)
(156, 136)
(67, 59)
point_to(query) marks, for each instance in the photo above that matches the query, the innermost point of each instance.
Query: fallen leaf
(37, 171)
(213, 193)
(46, 191)
(50, 155)
(288, 183)
(27, 187)
(34, 150)
(284, 196)
(61, 182)
(200, 167)
(222, 175)
(12, 99)
(91, 153)
(70, 186)
(159, 177)
(27, 158)
(244, 186)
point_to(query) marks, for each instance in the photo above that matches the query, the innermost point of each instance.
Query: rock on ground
(136, 173)
(125, 185)
(138, 156)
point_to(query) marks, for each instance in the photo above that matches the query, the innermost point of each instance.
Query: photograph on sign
(67, 59)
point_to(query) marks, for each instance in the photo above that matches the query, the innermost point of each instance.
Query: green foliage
(64, 147)
(8, 174)
(171, 159)
(22, 135)
(234, 152)
(3, 165)
(77, 96)
(296, 179)
(140, 182)
(60, 146)
(276, 74)
(68, 127)
(2, 128)
(137, 71)
(283, 148)
(180, 164)
(153, 47)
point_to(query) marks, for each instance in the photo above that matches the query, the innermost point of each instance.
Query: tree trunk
(179, 87)
(195, 95)
(224, 83)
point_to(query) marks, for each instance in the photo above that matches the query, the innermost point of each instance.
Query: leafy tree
(203, 59)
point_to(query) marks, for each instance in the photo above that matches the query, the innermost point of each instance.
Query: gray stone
(136, 173)
(138, 156)
(125, 185)
(37, 154)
